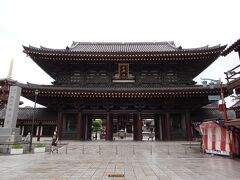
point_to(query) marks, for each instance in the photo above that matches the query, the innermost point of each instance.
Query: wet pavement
(147, 160)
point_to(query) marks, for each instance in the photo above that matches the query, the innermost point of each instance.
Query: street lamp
(33, 118)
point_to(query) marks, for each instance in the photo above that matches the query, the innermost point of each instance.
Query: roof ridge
(119, 47)
(75, 43)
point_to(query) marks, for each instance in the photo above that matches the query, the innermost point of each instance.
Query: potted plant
(16, 149)
(38, 148)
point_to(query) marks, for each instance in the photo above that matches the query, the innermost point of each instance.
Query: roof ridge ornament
(171, 43)
(74, 44)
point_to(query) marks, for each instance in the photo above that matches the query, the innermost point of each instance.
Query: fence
(138, 149)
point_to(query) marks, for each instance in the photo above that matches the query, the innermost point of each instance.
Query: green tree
(97, 126)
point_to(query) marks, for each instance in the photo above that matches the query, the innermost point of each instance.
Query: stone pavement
(96, 160)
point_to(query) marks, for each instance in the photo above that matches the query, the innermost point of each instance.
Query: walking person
(54, 142)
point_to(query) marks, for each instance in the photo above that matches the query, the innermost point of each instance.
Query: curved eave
(68, 92)
(37, 53)
(234, 47)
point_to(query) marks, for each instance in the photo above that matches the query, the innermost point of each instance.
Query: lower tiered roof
(114, 92)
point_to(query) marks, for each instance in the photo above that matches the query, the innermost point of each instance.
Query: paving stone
(133, 159)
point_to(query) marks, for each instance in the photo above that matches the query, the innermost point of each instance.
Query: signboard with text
(12, 107)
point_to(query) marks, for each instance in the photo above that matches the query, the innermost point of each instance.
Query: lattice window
(75, 77)
(97, 77)
(150, 77)
(171, 77)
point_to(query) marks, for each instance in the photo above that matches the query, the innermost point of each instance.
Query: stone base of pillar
(10, 135)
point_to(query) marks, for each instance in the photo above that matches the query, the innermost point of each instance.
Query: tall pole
(223, 103)
(226, 119)
(33, 118)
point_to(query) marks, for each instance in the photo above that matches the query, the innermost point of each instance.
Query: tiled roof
(27, 113)
(211, 113)
(110, 89)
(213, 105)
(118, 47)
(113, 92)
(123, 47)
(235, 46)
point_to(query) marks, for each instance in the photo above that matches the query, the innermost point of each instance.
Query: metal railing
(232, 73)
(136, 149)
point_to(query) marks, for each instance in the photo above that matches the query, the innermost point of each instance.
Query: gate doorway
(123, 127)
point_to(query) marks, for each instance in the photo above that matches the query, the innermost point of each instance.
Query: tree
(97, 126)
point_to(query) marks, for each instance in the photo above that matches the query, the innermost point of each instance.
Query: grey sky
(57, 23)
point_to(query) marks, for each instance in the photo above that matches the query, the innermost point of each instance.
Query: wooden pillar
(83, 127)
(135, 127)
(168, 126)
(86, 127)
(89, 128)
(163, 125)
(188, 126)
(157, 128)
(79, 126)
(109, 134)
(59, 125)
(160, 127)
(139, 126)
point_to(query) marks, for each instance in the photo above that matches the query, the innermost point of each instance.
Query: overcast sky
(56, 23)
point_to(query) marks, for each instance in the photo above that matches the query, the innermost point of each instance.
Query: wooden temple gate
(127, 85)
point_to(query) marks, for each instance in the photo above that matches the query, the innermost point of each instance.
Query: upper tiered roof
(53, 61)
(120, 47)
